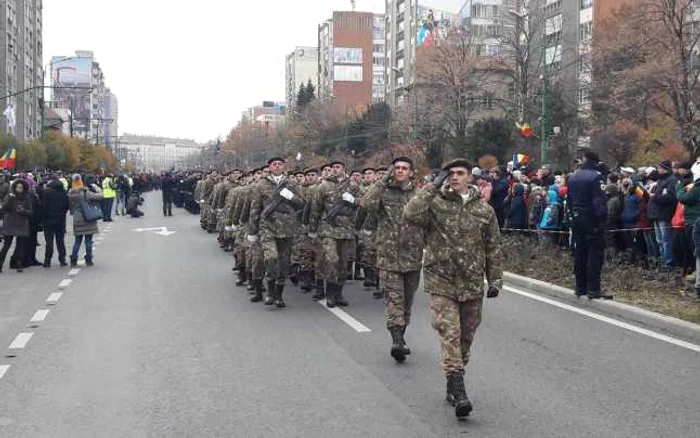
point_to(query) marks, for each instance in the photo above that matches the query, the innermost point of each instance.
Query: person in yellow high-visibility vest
(109, 193)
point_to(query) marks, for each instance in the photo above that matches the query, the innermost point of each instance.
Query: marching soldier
(333, 220)
(275, 202)
(366, 251)
(400, 249)
(306, 248)
(462, 246)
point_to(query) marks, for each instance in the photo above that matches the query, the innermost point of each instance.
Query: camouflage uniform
(206, 191)
(337, 234)
(399, 249)
(274, 219)
(305, 248)
(366, 241)
(462, 245)
(254, 261)
(214, 204)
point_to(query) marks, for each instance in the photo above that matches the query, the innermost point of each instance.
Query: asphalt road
(156, 341)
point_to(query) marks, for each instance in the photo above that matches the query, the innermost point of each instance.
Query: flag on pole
(9, 159)
(520, 160)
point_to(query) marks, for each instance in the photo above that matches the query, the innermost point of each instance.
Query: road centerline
(346, 318)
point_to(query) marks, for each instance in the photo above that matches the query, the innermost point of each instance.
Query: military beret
(366, 168)
(341, 162)
(298, 172)
(271, 160)
(382, 168)
(310, 170)
(403, 160)
(458, 162)
(357, 171)
(326, 165)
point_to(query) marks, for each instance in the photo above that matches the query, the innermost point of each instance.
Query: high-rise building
(411, 25)
(157, 154)
(301, 66)
(110, 125)
(78, 84)
(346, 72)
(22, 73)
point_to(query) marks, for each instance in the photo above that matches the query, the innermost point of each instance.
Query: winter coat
(499, 193)
(4, 190)
(696, 237)
(329, 198)
(662, 204)
(689, 196)
(552, 214)
(631, 210)
(517, 216)
(615, 207)
(586, 197)
(80, 227)
(463, 242)
(55, 206)
(16, 209)
(400, 244)
(281, 221)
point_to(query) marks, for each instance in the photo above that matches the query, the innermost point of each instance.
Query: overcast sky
(188, 69)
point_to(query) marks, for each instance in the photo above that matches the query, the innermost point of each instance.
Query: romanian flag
(8, 160)
(520, 160)
(525, 129)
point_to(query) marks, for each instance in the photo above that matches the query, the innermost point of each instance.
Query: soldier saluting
(273, 221)
(399, 248)
(462, 246)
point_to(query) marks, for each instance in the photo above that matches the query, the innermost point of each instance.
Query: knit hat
(592, 156)
(477, 172)
(666, 165)
(688, 165)
(76, 177)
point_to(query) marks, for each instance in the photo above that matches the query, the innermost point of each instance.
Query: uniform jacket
(241, 213)
(399, 243)
(282, 222)
(328, 196)
(586, 195)
(80, 227)
(462, 242)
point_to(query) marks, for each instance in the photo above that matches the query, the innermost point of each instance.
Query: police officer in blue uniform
(589, 212)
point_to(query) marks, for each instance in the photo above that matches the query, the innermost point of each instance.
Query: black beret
(310, 170)
(275, 159)
(458, 162)
(366, 168)
(403, 160)
(341, 162)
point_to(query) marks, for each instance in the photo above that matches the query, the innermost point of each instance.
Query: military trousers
(366, 251)
(255, 261)
(399, 288)
(456, 323)
(336, 255)
(278, 255)
(306, 250)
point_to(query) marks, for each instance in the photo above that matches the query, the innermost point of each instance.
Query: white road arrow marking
(163, 231)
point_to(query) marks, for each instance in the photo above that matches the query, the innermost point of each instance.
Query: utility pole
(544, 124)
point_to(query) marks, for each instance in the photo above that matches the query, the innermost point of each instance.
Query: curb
(650, 319)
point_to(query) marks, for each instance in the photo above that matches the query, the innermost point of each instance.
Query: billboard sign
(73, 72)
(347, 55)
(431, 23)
(347, 73)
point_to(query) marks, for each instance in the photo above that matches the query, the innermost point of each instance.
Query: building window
(584, 96)
(492, 50)
(585, 31)
(553, 54)
(585, 4)
(553, 25)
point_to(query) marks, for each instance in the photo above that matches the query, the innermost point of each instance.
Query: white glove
(201, 201)
(286, 194)
(367, 232)
(252, 238)
(219, 210)
(227, 228)
(235, 228)
(347, 197)
(313, 235)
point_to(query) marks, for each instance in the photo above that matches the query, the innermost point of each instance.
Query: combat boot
(241, 278)
(406, 350)
(320, 294)
(250, 287)
(369, 277)
(305, 280)
(271, 292)
(331, 295)
(457, 395)
(397, 344)
(294, 276)
(339, 298)
(697, 293)
(257, 291)
(279, 302)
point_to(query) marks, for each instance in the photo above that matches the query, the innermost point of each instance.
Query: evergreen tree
(310, 92)
(302, 98)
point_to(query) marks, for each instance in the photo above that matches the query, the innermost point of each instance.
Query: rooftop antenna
(353, 3)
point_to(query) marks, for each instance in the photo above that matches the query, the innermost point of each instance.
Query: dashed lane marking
(73, 272)
(64, 283)
(40, 315)
(21, 341)
(346, 318)
(611, 321)
(54, 297)
(3, 370)
(81, 263)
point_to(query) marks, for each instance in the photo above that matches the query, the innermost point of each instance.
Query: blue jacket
(586, 195)
(631, 210)
(552, 214)
(663, 202)
(499, 193)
